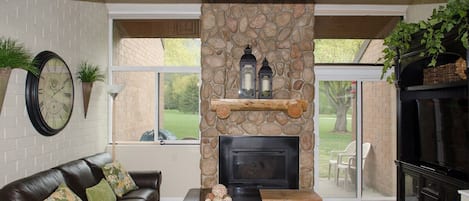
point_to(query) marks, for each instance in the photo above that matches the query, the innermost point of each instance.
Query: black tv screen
(443, 135)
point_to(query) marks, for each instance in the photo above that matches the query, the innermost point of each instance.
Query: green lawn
(181, 124)
(187, 125)
(330, 141)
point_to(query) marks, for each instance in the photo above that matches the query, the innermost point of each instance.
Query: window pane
(337, 139)
(181, 52)
(138, 52)
(180, 105)
(134, 108)
(348, 51)
(379, 114)
(156, 52)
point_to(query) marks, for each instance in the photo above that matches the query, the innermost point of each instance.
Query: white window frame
(149, 11)
(359, 73)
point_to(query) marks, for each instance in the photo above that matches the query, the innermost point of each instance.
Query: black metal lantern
(265, 81)
(247, 66)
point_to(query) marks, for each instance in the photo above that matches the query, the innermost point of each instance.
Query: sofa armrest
(147, 179)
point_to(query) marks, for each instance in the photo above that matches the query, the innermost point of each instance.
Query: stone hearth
(282, 33)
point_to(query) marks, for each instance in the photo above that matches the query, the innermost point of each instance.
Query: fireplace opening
(255, 162)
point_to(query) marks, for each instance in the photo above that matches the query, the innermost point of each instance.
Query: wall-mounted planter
(86, 87)
(4, 77)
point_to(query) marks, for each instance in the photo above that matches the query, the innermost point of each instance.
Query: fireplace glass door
(257, 162)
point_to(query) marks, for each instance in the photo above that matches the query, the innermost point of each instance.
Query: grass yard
(181, 124)
(330, 141)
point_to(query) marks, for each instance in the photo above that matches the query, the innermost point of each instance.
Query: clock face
(50, 96)
(55, 93)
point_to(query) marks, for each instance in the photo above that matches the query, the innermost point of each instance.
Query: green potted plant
(88, 74)
(12, 55)
(398, 40)
(450, 18)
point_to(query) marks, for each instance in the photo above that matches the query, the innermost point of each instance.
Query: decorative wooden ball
(223, 111)
(295, 110)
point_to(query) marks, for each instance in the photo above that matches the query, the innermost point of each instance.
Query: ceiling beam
(374, 2)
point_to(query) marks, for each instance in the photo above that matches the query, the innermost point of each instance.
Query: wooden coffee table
(198, 194)
(289, 195)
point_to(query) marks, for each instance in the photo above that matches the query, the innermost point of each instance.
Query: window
(161, 76)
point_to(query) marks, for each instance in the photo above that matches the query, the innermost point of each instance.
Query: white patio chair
(349, 164)
(335, 155)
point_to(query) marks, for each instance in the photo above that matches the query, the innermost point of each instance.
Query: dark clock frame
(32, 95)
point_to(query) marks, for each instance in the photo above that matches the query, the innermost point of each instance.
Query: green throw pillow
(118, 178)
(63, 193)
(100, 192)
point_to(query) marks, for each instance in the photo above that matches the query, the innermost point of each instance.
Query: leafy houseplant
(12, 55)
(398, 40)
(88, 74)
(452, 17)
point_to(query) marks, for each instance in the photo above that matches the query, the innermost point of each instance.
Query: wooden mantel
(293, 107)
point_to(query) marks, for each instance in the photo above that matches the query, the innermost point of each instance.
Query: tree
(338, 93)
(189, 98)
(170, 98)
(181, 91)
(336, 50)
(181, 52)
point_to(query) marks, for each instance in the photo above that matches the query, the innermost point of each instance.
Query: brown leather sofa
(79, 175)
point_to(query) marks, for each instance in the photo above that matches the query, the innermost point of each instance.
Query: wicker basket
(445, 73)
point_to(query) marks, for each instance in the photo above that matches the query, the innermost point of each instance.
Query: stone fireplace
(281, 33)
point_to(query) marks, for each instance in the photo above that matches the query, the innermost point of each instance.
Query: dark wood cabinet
(433, 181)
(419, 184)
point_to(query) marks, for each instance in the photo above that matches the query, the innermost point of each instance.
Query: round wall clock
(49, 96)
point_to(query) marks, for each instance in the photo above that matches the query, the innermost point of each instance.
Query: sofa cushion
(143, 193)
(36, 187)
(118, 178)
(63, 193)
(100, 192)
(97, 162)
(78, 177)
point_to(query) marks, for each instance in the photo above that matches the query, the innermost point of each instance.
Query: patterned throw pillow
(63, 193)
(100, 192)
(118, 178)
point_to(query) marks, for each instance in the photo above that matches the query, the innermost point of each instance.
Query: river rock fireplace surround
(283, 33)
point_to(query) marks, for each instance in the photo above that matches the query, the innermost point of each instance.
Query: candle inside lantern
(248, 77)
(248, 81)
(265, 83)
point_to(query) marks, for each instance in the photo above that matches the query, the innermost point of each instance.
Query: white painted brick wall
(76, 31)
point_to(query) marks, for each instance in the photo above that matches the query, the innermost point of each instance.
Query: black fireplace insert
(255, 162)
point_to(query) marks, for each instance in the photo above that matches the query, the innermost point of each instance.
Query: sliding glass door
(354, 134)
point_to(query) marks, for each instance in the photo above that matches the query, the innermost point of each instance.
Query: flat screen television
(443, 135)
